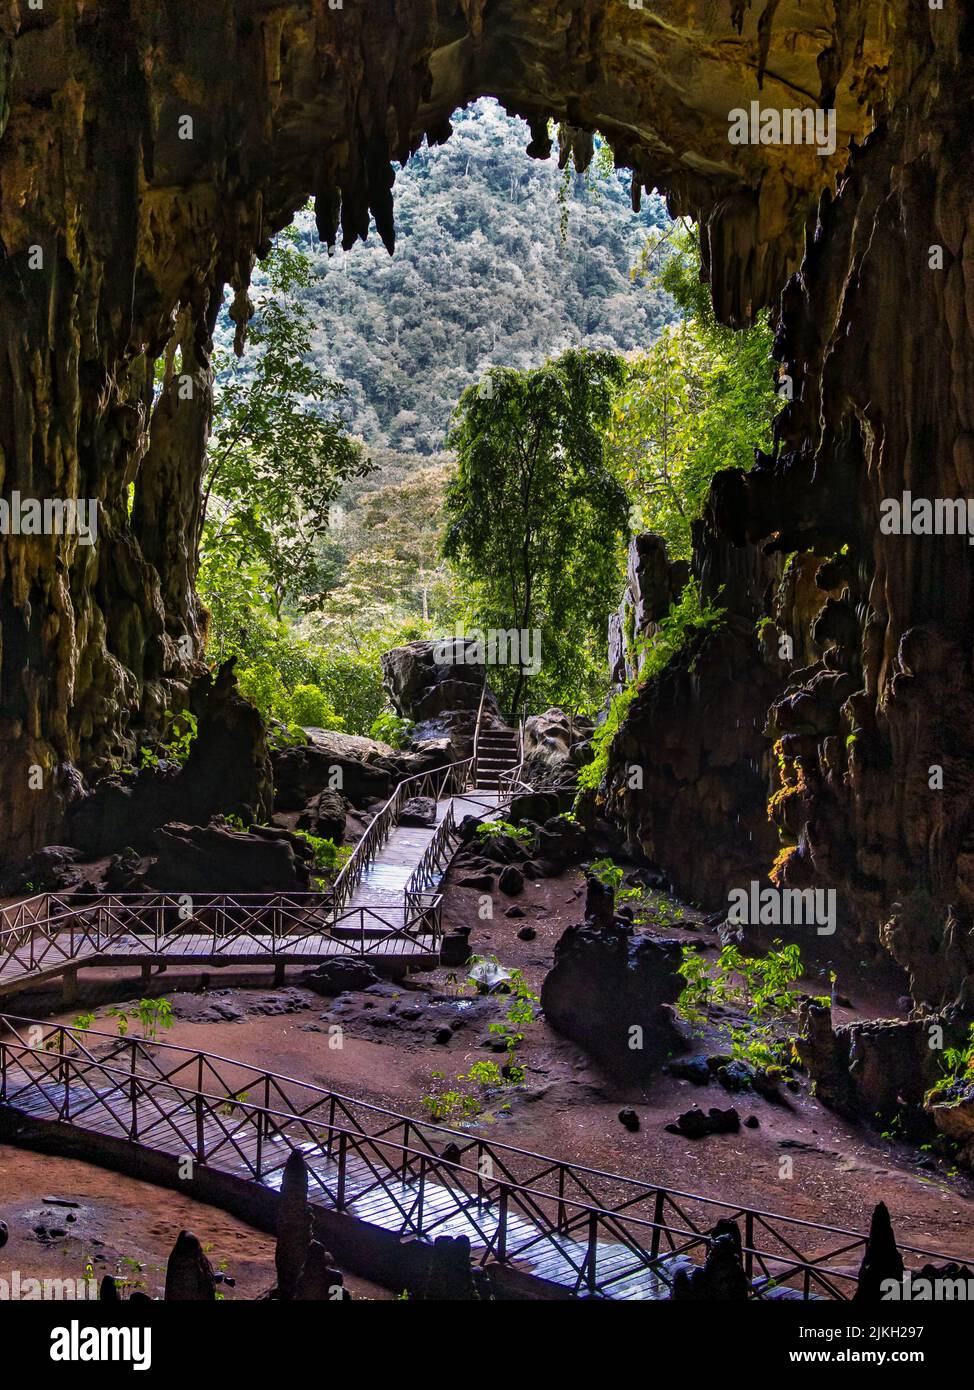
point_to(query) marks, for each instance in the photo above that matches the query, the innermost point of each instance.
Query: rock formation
(611, 990)
(439, 685)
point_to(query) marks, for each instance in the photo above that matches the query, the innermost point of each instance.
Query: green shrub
(393, 729)
(310, 707)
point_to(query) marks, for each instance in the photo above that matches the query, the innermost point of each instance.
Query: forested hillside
(524, 358)
(501, 260)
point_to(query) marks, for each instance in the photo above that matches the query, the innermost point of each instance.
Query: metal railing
(600, 1234)
(451, 780)
(207, 926)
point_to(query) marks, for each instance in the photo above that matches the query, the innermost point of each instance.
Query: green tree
(700, 399)
(536, 517)
(279, 451)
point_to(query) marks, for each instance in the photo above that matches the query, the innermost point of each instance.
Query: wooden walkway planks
(373, 923)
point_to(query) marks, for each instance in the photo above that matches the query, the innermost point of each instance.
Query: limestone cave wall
(866, 747)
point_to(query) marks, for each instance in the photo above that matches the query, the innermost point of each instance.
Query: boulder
(48, 870)
(228, 771)
(449, 1276)
(419, 811)
(694, 1124)
(339, 974)
(511, 881)
(324, 816)
(321, 1281)
(722, 1277)
(356, 767)
(438, 685)
(189, 1274)
(605, 985)
(214, 859)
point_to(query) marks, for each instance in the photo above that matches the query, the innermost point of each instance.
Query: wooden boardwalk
(388, 912)
(592, 1234)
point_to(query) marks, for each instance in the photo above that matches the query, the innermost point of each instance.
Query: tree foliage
(279, 451)
(700, 399)
(536, 517)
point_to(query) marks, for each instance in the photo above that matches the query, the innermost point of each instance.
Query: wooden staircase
(498, 750)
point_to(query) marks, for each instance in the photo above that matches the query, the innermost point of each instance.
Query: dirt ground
(72, 1221)
(566, 1108)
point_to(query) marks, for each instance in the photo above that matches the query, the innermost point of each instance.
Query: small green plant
(183, 729)
(281, 736)
(521, 833)
(520, 1015)
(328, 856)
(121, 1020)
(957, 1064)
(151, 1014)
(607, 873)
(83, 1021)
(393, 729)
(698, 992)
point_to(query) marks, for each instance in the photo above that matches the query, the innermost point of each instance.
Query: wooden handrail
(479, 1183)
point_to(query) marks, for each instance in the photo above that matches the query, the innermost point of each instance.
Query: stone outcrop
(438, 685)
(228, 771)
(874, 1067)
(611, 990)
(653, 583)
(215, 859)
(189, 1274)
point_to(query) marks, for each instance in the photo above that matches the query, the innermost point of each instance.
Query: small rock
(485, 882)
(511, 881)
(443, 1036)
(526, 934)
(629, 1120)
(419, 811)
(752, 1122)
(693, 1069)
(735, 1076)
(514, 911)
(694, 1124)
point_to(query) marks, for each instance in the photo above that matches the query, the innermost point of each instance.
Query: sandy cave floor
(567, 1108)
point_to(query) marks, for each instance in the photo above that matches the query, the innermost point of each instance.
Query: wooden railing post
(658, 1209)
(133, 1095)
(501, 1243)
(592, 1255)
(342, 1165)
(422, 1194)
